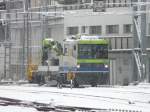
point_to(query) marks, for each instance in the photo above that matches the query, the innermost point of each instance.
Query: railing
(120, 43)
(91, 6)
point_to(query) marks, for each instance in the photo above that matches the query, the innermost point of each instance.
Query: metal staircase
(138, 62)
(139, 51)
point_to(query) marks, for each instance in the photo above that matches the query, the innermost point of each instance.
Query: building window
(114, 3)
(127, 28)
(16, 5)
(70, 1)
(49, 32)
(95, 30)
(72, 30)
(83, 29)
(112, 29)
(87, 1)
(149, 29)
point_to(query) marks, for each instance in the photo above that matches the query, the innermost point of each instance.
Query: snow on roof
(70, 40)
(84, 37)
(50, 39)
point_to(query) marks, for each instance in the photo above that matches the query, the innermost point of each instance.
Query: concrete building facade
(115, 24)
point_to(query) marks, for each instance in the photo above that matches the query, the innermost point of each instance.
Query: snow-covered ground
(16, 109)
(121, 99)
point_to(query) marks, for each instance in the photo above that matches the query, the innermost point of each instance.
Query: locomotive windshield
(93, 51)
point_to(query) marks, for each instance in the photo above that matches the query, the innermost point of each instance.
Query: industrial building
(27, 22)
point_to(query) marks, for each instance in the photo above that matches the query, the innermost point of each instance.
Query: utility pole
(7, 42)
(45, 25)
(28, 35)
(25, 41)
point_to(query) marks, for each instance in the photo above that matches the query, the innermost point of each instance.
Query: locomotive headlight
(78, 66)
(106, 66)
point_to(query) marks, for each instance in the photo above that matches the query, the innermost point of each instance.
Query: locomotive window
(66, 52)
(92, 51)
(91, 65)
(74, 47)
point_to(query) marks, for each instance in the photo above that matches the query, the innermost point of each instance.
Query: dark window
(87, 1)
(114, 1)
(120, 3)
(66, 50)
(49, 32)
(127, 28)
(74, 47)
(70, 1)
(92, 51)
(149, 28)
(83, 29)
(2, 32)
(95, 30)
(16, 4)
(112, 29)
(72, 30)
(2, 6)
(98, 5)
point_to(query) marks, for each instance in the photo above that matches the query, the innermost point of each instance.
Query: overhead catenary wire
(76, 13)
(90, 4)
(62, 13)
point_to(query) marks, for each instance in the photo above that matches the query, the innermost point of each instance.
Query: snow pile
(16, 109)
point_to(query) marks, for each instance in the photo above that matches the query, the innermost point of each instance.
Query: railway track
(15, 102)
(43, 107)
(63, 108)
(96, 97)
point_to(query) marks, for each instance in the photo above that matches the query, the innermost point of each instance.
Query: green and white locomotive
(87, 58)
